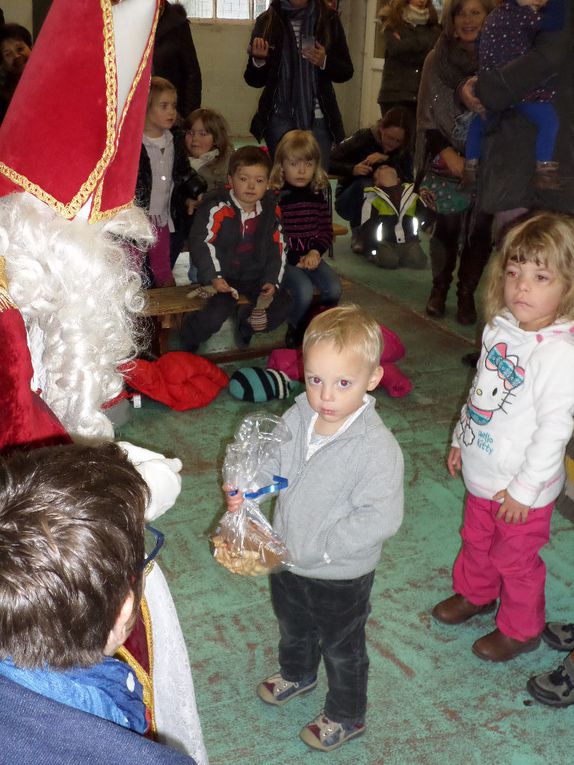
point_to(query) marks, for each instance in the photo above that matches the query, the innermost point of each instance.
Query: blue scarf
(109, 689)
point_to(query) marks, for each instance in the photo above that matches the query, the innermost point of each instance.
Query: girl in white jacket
(511, 436)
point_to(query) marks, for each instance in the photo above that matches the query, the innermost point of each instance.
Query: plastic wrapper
(244, 541)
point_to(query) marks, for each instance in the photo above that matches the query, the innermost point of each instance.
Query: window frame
(214, 19)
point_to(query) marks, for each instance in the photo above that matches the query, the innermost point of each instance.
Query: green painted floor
(430, 700)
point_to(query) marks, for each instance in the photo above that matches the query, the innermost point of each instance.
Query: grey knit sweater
(344, 501)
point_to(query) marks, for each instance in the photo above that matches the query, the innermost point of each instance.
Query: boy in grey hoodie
(344, 498)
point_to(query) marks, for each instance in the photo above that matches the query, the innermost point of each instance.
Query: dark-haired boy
(236, 244)
(71, 575)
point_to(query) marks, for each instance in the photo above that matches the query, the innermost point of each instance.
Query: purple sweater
(307, 221)
(508, 33)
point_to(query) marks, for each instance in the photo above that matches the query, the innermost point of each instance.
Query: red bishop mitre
(64, 138)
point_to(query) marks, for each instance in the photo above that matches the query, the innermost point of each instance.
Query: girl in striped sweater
(305, 205)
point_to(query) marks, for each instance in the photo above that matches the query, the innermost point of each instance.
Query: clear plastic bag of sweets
(244, 542)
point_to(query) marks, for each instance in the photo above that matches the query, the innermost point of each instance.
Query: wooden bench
(165, 306)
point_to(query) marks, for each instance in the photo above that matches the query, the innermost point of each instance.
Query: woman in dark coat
(353, 159)
(458, 231)
(297, 51)
(409, 32)
(174, 57)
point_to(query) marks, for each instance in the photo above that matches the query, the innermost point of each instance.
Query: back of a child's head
(297, 145)
(71, 550)
(215, 124)
(347, 327)
(543, 238)
(157, 86)
(249, 156)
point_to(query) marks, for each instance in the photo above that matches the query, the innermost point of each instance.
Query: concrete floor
(431, 702)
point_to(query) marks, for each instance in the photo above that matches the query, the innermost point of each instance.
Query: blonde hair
(216, 125)
(298, 144)
(347, 327)
(158, 85)
(544, 238)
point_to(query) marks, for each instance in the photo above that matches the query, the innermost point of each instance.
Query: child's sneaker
(325, 734)
(278, 691)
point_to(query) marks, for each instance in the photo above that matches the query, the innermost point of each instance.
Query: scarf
(453, 62)
(297, 87)
(109, 689)
(206, 159)
(416, 16)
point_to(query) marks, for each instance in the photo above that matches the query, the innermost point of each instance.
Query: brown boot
(457, 610)
(437, 300)
(546, 177)
(469, 174)
(496, 646)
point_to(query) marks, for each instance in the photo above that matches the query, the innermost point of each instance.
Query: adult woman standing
(297, 51)
(453, 59)
(409, 32)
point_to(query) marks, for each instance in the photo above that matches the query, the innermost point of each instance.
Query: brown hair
(452, 8)
(158, 85)
(298, 144)
(544, 238)
(247, 156)
(71, 550)
(215, 124)
(399, 117)
(347, 326)
(394, 17)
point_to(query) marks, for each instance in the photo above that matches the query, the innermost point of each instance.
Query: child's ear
(229, 180)
(375, 378)
(123, 625)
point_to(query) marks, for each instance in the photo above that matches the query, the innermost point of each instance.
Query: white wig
(78, 288)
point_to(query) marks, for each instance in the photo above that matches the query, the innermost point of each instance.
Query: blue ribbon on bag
(272, 488)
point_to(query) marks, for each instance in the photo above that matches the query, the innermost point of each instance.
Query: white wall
(19, 11)
(222, 53)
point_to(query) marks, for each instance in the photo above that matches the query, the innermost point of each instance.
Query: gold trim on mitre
(91, 186)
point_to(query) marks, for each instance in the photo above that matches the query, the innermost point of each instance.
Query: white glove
(161, 475)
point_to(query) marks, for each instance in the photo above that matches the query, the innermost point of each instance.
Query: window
(224, 9)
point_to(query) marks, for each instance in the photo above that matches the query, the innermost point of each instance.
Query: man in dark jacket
(174, 57)
(297, 51)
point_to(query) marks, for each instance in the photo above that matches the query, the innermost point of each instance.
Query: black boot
(437, 299)
(465, 310)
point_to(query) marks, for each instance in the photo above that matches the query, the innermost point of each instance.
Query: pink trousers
(159, 258)
(501, 560)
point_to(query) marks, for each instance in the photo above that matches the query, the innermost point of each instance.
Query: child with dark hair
(236, 244)
(71, 576)
(392, 214)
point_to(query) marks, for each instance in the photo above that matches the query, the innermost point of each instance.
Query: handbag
(446, 191)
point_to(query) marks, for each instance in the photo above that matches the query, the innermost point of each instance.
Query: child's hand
(362, 168)
(310, 261)
(316, 55)
(454, 461)
(268, 290)
(220, 285)
(511, 510)
(376, 157)
(233, 498)
(259, 48)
